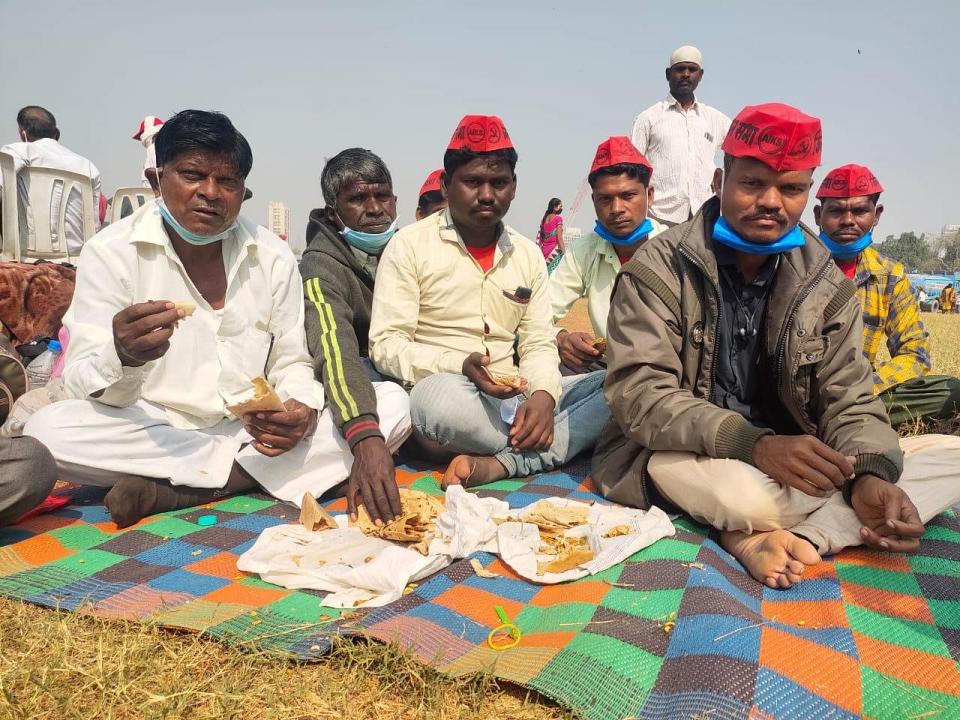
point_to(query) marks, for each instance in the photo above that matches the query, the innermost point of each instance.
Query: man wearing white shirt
(40, 147)
(681, 137)
(152, 421)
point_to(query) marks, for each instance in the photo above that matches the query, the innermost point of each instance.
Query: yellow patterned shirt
(890, 309)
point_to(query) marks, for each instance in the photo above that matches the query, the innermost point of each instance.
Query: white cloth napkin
(518, 542)
(361, 571)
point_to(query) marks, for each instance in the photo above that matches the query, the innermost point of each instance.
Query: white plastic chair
(49, 191)
(10, 249)
(136, 198)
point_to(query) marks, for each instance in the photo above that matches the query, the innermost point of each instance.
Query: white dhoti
(97, 444)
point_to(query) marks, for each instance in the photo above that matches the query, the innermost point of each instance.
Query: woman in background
(550, 236)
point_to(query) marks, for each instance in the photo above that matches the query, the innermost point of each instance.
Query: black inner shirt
(742, 329)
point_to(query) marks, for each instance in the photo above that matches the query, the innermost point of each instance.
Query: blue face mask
(191, 237)
(370, 243)
(845, 251)
(644, 229)
(726, 235)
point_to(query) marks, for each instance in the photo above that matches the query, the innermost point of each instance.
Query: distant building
(949, 230)
(572, 234)
(278, 219)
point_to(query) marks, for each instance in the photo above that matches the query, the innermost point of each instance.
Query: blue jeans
(451, 411)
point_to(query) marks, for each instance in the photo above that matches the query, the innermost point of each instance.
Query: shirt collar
(728, 258)
(869, 266)
(671, 100)
(448, 233)
(149, 230)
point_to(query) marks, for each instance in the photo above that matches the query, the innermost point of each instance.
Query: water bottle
(38, 372)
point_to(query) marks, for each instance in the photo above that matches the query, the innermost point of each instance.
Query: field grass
(65, 666)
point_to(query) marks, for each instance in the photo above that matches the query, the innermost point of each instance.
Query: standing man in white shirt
(152, 422)
(40, 147)
(681, 137)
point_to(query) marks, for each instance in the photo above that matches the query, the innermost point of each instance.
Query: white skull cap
(687, 53)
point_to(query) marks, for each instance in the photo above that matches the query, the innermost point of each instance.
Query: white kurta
(168, 418)
(214, 353)
(96, 444)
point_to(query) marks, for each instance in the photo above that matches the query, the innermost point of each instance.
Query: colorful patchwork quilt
(677, 631)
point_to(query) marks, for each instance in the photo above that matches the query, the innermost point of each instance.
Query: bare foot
(776, 558)
(468, 471)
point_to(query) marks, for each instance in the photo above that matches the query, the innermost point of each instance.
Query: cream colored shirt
(213, 353)
(588, 269)
(433, 306)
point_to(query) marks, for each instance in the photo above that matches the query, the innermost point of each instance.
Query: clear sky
(303, 80)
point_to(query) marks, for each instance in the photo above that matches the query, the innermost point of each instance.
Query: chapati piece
(416, 524)
(480, 570)
(511, 380)
(550, 517)
(187, 307)
(617, 531)
(600, 344)
(265, 399)
(572, 558)
(313, 517)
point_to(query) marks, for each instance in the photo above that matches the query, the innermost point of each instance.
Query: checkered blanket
(679, 630)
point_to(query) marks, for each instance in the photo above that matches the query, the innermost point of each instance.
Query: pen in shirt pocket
(266, 362)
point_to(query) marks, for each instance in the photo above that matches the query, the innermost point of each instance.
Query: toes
(803, 551)
(793, 578)
(795, 567)
(777, 581)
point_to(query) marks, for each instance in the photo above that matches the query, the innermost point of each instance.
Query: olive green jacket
(661, 357)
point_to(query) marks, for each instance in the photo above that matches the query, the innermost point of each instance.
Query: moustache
(777, 217)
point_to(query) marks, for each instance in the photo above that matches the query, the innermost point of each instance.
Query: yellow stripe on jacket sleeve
(331, 352)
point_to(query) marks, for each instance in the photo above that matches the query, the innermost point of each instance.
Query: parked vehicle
(928, 288)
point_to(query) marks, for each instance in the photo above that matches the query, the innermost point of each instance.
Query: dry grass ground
(64, 666)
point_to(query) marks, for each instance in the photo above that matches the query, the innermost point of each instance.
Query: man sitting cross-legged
(848, 212)
(454, 292)
(344, 243)
(154, 385)
(621, 192)
(736, 382)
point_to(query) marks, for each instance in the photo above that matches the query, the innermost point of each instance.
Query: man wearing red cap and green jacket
(736, 381)
(849, 210)
(621, 192)
(455, 292)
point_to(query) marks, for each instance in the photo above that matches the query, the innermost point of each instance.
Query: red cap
(480, 133)
(777, 135)
(849, 181)
(432, 183)
(618, 150)
(149, 122)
